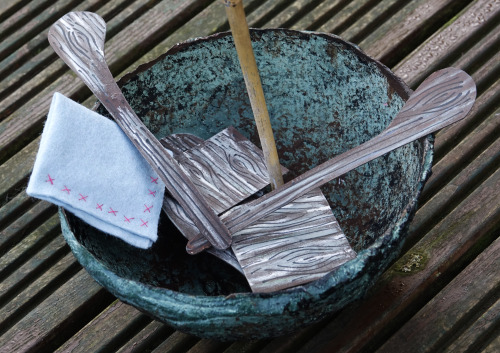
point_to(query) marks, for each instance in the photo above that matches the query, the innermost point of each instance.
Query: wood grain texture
(78, 38)
(293, 245)
(226, 169)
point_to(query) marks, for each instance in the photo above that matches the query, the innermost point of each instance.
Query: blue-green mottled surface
(324, 97)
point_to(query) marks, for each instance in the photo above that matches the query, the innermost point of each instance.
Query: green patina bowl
(324, 97)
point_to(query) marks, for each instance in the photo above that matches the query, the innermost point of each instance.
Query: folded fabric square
(86, 164)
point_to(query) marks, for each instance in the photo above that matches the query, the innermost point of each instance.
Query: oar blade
(443, 98)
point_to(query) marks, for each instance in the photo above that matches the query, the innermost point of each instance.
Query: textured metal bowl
(324, 96)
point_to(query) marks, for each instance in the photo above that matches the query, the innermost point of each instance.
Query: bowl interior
(324, 97)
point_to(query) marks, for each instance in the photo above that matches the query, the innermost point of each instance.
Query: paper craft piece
(87, 165)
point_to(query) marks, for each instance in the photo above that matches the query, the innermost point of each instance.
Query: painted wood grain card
(296, 244)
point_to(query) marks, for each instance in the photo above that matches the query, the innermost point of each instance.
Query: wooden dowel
(239, 28)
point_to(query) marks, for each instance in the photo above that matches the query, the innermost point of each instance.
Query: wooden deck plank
(289, 15)
(21, 227)
(478, 333)
(266, 11)
(458, 173)
(449, 42)
(247, 346)
(487, 81)
(7, 8)
(36, 264)
(483, 49)
(17, 169)
(208, 21)
(402, 287)
(14, 207)
(319, 15)
(24, 123)
(19, 253)
(103, 332)
(494, 346)
(24, 12)
(176, 342)
(29, 297)
(12, 75)
(56, 316)
(371, 19)
(208, 346)
(342, 19)
(479, 170)
(147, 339)
(396, 37)
(25, 74)
(33, 27)
(461, 299)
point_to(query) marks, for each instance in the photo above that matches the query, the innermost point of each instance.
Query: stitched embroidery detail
(128, 219)
(144, 223)
(113, 211)
(148, 209)
(66, 189)
(152, 193)
(99, 206)
(83, 198)
(153, 180)
(51, 181)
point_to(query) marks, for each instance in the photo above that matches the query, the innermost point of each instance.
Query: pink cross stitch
(51, 181)
(99, 206)
(153, 180)
(128, 219)
(144, 223)
(152, 193)
(112, 211)
(83, 198)
(148, 209)
(66, 189)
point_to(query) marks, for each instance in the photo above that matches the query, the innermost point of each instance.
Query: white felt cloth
(87, 165)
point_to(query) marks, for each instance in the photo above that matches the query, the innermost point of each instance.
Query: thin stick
(239, 28)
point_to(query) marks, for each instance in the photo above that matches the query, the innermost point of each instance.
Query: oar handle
(445, 97)
(78, 38)
(241, 35)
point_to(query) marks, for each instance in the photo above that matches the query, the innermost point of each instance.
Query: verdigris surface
(324, 97)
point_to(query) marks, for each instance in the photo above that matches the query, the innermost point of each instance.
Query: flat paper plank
(226, 169)
(274, 256)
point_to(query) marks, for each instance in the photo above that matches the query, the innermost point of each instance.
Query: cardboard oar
(78, 38)
(260, 227)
